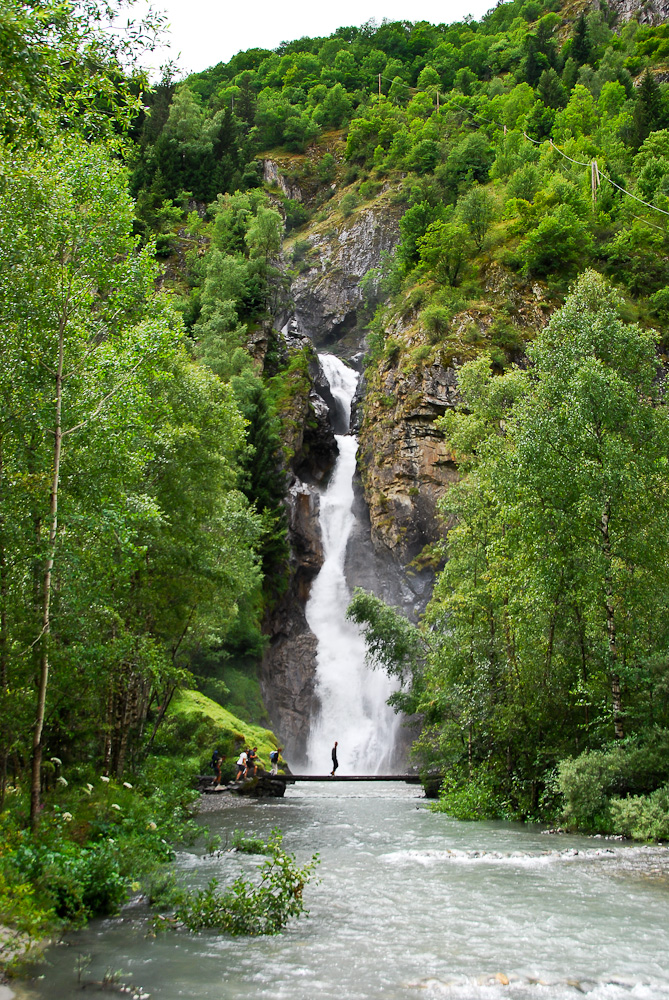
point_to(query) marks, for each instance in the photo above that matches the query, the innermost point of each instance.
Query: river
(409, 904)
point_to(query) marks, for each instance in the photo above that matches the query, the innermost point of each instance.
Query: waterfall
(352, 696)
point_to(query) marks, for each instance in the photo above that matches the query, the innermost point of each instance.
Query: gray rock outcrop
(648, 12)
(327, 295)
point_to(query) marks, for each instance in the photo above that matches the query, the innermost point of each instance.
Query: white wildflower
(103, 777)
(61, 780)
(89, 786)
(114, 805)
(56, 760)
(126, 784)
(67, 817)
(151, 826)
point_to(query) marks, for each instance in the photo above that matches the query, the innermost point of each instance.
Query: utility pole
(594, 181)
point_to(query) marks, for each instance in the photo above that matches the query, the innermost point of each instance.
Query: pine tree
(580, 45)
(648, 110)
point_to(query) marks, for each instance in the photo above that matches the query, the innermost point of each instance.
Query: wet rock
(306, 543)
(287, 677)
(263, 786)
(405, 464)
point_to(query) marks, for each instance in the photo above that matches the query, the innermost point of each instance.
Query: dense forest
(143, 446)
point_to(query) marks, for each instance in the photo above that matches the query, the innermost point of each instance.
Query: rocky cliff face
(327, 295)
(647, 12)
(405, 464)
(326, 299)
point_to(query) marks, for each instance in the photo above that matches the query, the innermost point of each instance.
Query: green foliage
(74, 69)
(246, 844)
(348, 203)
(642, 817)
(95, 840)
(561, 242)
(474, 798)
(638, 257)
(296, 214)
(547, 624)
(477, 211)
(392, 643)
(413, 226)
(586, 784)
(592, 786)
(247, 907)
(77, 882)
(443, 251)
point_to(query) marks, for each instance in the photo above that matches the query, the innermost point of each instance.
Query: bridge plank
(411, 779)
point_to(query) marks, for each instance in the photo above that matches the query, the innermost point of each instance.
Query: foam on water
(524, 858)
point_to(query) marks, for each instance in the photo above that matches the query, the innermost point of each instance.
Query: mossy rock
(194, 717)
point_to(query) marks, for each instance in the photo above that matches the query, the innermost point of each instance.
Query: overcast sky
(205, 32)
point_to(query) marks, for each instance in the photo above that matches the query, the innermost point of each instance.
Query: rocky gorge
(404, 465)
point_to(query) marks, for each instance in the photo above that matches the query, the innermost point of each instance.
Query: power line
(581, 163)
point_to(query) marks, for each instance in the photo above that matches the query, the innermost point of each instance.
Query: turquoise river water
(410, 904)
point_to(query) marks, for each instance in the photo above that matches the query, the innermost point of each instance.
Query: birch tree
(77, 345)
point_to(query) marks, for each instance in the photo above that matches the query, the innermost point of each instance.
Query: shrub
(296, 214)
(348, 203)
(369, 189)
(246, 907)
(585, 783)
(524, 183)
(588, 783)
(561, 242)
(327, 168)
(77, 882)
(472, 799)
(642, 817)
(435, 319)
(245, 844)
(300, 250)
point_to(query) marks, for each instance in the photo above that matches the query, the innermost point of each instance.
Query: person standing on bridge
(335, 762)
(274, 760)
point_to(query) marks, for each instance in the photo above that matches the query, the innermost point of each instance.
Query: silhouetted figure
(335, 762)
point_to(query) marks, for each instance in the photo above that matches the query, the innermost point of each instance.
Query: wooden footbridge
(265, 785)
(410, 779)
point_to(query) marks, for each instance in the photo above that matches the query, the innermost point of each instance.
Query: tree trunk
(169, 694)
(35, 790)
(4, 678)
(616, 698)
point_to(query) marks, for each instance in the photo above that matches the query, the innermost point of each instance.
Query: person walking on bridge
(335, 762)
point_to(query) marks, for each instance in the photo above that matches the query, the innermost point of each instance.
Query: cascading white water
(352, 696)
